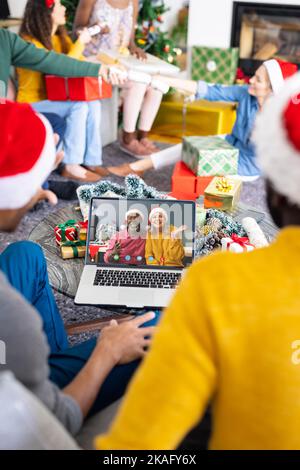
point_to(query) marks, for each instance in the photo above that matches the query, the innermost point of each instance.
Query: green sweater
(14, 51)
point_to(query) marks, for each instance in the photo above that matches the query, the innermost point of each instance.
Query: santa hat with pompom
(277, 139)
(27, 153)
(278, 72)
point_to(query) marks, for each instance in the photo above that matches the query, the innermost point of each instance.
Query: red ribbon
(49, 3)
(84, 224)
(242, 241)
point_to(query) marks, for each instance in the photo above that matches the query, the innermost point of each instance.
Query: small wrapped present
(222, 193)
(77, 88)
(185, 185)
(83, 228)
(75, 249)
(236, 244)
(67, 231)
(215, 65)
(210, 156)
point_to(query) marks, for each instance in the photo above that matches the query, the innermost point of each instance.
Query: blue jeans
(58, 125)
(82, 140)
(25, 267)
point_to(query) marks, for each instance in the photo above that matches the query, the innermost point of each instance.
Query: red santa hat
(27, 153)
(277, 139)
(278, 72)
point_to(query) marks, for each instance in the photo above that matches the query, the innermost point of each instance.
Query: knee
(24, 249)
(81, 107)
(95, 108)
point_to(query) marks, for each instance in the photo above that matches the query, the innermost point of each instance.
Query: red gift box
(186, 185)
(77, 89)
(66, 232)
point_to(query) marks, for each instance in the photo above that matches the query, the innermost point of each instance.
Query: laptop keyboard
(123, 278)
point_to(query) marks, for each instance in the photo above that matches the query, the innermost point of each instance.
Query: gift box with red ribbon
(186, 185)
(66, 232)
(77, 89)
(236, 244)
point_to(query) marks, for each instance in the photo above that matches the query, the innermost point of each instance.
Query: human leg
(25, 267)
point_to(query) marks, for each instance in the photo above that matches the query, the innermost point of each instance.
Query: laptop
(137, 251)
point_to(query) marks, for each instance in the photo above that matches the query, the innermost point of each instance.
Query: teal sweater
(14, 51)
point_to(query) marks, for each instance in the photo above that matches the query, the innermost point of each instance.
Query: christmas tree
(149, 35)
(71, 6)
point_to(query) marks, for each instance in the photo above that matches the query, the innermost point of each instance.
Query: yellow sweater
(164, 250)
(31, 85)
(226, 339)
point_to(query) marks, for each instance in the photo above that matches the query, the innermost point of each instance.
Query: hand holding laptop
(127, 342)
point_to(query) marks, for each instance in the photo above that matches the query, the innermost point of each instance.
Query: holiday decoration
(210, 156)
(83, 228)
(236, 244)
(73, 249)
(185, 185)
(254, 232)
(77, 89)
(217, 226)
(67, 231)
(222, 193)
(135, 188)
(148, 34)
(215, 65)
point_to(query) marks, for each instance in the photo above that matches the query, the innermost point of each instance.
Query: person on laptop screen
(128, 245)
(164, 245)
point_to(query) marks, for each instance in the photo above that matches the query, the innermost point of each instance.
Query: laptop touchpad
(131, 298)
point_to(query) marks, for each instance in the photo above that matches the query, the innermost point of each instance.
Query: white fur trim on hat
(16, 191)
(156, 210)
(134, 211)
(275, 74)
(277, 157)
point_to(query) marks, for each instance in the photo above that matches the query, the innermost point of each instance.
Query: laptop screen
(148, 233)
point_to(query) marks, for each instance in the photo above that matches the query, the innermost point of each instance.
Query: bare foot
(100, 170)
(124, 170)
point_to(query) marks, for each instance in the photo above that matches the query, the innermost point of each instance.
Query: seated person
(268, 79)
(141, 101)
(231, 332)
(128, 245)
(72, 382)
(43, 25)
(163, 245)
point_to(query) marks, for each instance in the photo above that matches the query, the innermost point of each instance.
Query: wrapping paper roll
(254, 232)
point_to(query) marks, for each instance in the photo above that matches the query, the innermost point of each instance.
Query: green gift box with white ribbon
(215, 65)
(210, 156)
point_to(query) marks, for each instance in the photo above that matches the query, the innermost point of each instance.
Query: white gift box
(229, 245)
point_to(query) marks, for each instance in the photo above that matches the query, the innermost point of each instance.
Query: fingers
(148, 331)
(140, 320)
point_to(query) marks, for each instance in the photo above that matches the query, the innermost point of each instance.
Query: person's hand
(104, 29)
(116, 249)
(178, 232)
(114, 74)
(84, 36)
(126, 342)
(137, 51)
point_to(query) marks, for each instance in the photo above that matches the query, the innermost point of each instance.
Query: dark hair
(37, 23)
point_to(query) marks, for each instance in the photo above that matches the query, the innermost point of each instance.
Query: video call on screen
(146, 233)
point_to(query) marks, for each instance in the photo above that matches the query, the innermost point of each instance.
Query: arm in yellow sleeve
(149, 252)
(175, 252)
(76, 49)
(172, 388)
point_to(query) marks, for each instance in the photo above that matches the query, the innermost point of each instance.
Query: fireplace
(263, 31)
